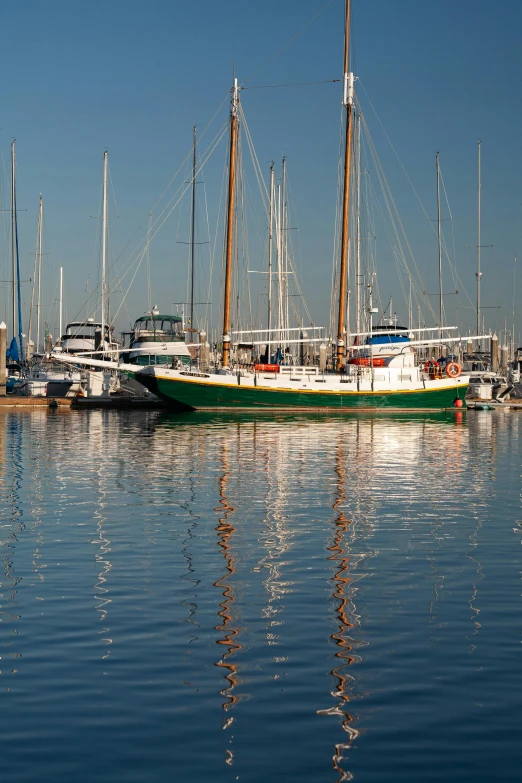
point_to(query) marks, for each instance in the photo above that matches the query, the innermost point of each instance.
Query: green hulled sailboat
(384, 373)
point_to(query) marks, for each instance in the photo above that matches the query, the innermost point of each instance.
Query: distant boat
(157, 340)
(50, 381)
(85, 337)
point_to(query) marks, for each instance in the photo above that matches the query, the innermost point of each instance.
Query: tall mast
(348, 103)
(358, 234)
(35, 270)
(479, 273)
(61, 303)
(437, 166)
(13, 235)
(192, 232)
(270, 252)
(17, 292)
(230, 224)
(39, 293)
(284, 257)
(104, 250)
(279, 267)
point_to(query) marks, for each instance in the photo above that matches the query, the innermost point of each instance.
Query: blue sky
(135, 77)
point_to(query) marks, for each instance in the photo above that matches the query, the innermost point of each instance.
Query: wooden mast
(348, 103)
(230, 225)
(193, 230)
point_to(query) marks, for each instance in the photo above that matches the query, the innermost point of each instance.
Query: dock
(117, 402)
(490, 405)
(17, 401)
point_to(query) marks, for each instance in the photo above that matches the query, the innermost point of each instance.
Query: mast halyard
(439, 238)
(193, 232)
(104, 250)
(36, 277)
(284, 260)
(61, 304)
(279, 268)
(358, 326)
(479, 273)
(15, 257)
(230, 224)
(270, 258)
(39, 300)
(348, 103)
(13, 235)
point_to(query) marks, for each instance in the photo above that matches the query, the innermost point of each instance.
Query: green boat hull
(196, 395)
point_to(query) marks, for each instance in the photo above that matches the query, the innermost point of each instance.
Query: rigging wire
(407, 176)
(396, 221)
(291, 84)
(288, 42)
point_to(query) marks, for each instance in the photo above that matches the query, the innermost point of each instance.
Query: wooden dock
(117, 402)
(17, 401)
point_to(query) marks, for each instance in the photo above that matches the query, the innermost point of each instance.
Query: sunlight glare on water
(253, 598)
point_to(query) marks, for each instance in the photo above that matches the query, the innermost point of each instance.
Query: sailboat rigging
(382, 369)
(16, 350)
(399, 382)
(348, 103)
(230, 224)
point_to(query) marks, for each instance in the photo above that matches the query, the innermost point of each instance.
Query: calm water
(227, 598)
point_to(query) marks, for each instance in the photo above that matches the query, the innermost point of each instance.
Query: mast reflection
(225, 530)
(99, 425)
(345, 611)
(12, 486)
(186, 551)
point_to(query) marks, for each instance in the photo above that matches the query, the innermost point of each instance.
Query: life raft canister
(364, 361)
(453, 370)
(266, 368)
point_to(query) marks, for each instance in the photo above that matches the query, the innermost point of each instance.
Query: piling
(204, 351)
(322, 356)
(3, 350)
(302, 347)
(494, 353)
(504, 358)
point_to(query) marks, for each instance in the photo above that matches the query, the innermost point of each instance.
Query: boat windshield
(85, 330)
(162, 327)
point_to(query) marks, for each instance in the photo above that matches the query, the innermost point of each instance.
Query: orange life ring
(453, 370)
(430, 364)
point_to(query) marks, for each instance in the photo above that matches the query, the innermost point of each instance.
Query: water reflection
(190, 575)
(345, 610)
(323, 556)
(13, 526)
(225, 530)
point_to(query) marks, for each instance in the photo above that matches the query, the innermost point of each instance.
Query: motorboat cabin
(157, 339)
(382, 346)
(85, 336)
